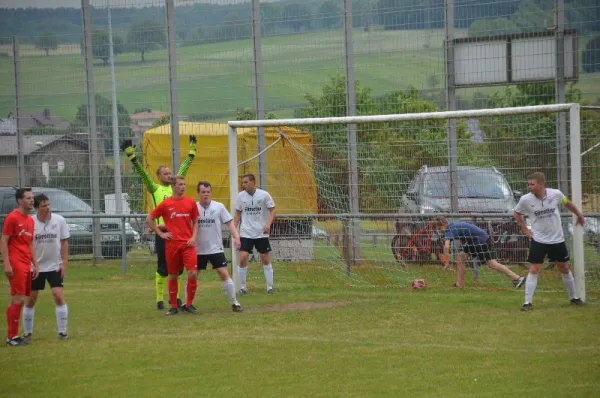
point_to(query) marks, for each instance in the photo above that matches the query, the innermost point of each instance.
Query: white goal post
(575, 158)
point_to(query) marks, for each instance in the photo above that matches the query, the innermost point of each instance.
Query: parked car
(65, 203)
(480, 190)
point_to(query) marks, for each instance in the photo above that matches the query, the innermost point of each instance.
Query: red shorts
(180, 256)
(20, 283)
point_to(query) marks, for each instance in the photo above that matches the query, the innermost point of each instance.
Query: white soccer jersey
(47, 237)
(210, 223)
(255, 213)
(544, 215)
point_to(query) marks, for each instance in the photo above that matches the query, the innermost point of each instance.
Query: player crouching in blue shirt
(475, 242)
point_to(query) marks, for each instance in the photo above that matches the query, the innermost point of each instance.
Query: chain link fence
(77, 82)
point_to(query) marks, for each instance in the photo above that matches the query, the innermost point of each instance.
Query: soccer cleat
(519, 282)
(270, 290)
(236, 308)
(16, 342)
(160, 306)
(526, 307)
(577, 301)
(172, 311)
(63, 336)
(189, 308)
(243, 291)
(27, 337)
(180, 305)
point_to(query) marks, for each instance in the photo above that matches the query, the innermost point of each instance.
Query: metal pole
(233, 192)
(171, 46)
(259, 98)
(561, 97)
(451, 104)
(20, 153)
(577, 198)
(352, 138)
(115, 141)
(92, 132)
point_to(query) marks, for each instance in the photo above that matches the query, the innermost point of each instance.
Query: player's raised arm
(185, 166)
(129, 149)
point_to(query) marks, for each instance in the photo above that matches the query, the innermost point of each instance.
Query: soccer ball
(419, 284)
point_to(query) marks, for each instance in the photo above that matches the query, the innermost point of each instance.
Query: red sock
(13, 315)
(173, 292)
(192, 285)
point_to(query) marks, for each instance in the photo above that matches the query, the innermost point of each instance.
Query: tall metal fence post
(259, 98)
(352, 138)
(451, 103)
(20, 153)
(562, 145)
(172, 53)
(92, 132)
(115, 141)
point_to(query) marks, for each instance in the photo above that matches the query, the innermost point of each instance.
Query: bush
(591, 56)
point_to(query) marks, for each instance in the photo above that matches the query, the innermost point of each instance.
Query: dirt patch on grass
(302, 306)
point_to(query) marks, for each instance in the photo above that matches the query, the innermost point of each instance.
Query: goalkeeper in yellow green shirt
(160, 191)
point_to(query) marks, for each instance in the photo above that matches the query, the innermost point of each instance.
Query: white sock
(569, 282)
(242, 273)
(530, 286)
(28, 314)
(62, 317)
(268, 270)
(229, 288)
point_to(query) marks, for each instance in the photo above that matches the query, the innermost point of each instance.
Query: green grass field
(309, 339)
(216, 79)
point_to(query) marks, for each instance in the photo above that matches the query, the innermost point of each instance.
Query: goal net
(355, 196)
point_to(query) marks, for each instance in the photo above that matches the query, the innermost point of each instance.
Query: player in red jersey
(18, 253)
(180, 215)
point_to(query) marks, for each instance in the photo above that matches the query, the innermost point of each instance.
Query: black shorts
(475, 249)
(53, 278)
(556, 252)
(161, 256)
(262, 245)
(217, 260)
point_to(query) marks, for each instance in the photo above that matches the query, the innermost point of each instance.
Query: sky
(114, 3)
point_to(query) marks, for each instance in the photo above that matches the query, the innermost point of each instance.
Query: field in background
(216, 79)
(303, 341)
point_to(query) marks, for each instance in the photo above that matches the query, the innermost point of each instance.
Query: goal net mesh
(404, 180)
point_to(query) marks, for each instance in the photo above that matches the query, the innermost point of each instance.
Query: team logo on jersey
(175, 214)
(23, 232)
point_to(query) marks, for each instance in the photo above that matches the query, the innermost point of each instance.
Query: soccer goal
(355, 195)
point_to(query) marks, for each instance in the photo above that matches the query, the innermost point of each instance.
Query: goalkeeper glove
(129, 149)
(192, 151)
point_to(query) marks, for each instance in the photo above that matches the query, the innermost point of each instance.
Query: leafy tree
(146, 36)
(389, 153)
(298, 16)
(236, 27)
(364, 13)
(533, 15)
(47, 41)
(166, 119)
(104, 120)
(330, 15)
(492, 27)
(101, 45)
(250, 114)
(43, 131)
(591, 56)
(270, 15)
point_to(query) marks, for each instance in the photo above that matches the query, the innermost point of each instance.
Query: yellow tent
(290, 175)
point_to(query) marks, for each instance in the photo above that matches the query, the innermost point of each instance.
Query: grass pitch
(303, 341)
